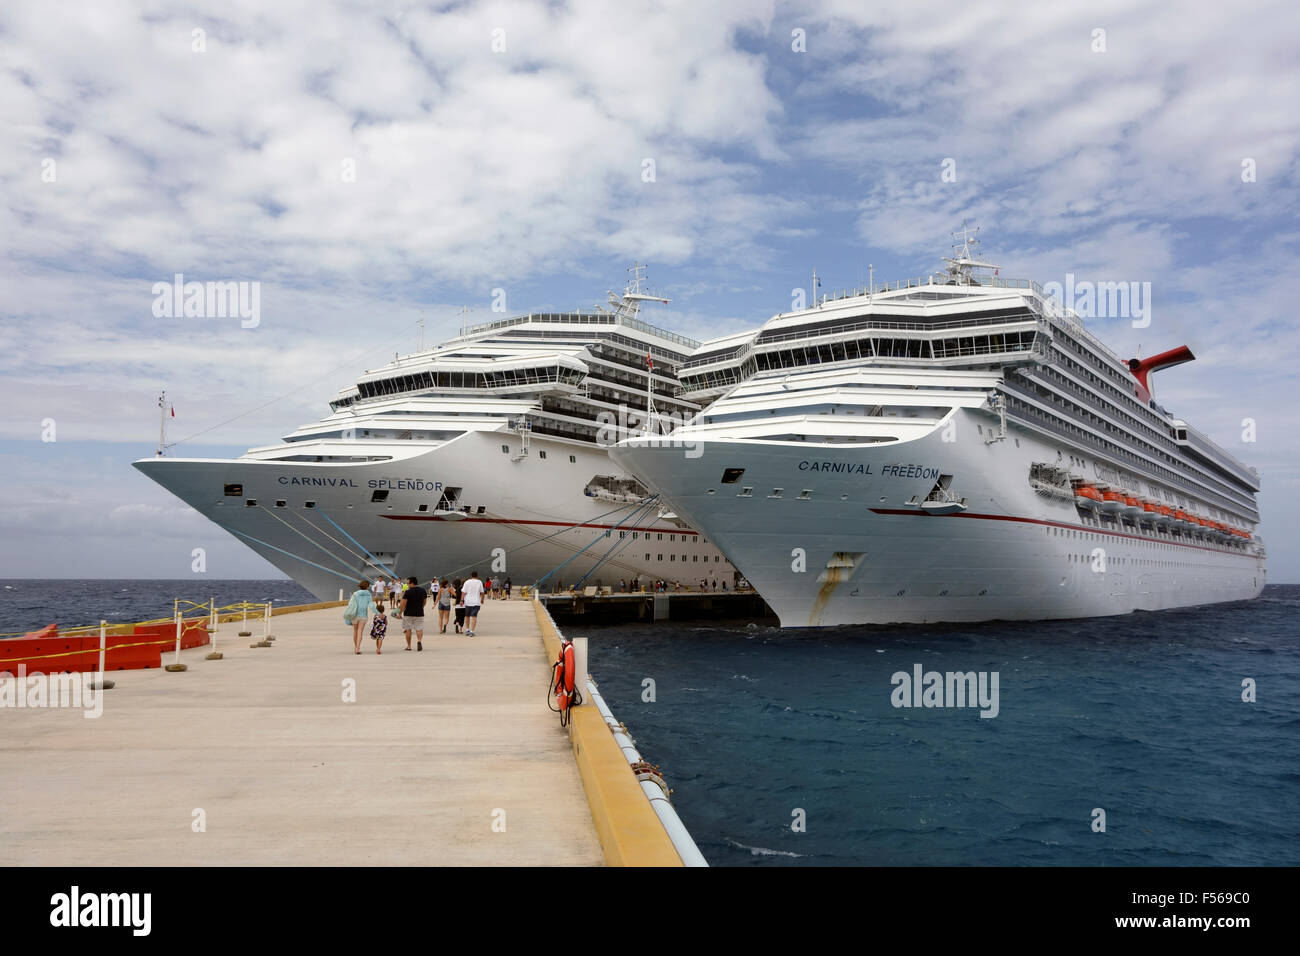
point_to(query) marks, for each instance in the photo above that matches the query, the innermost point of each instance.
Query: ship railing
(720, 356)
(920, 282)
(885, 325)
(1206, 446)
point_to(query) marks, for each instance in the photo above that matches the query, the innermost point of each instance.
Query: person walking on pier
(413, 599)
(458, 601)
(444, 605)
(358, 612)
(378, 628)
(472, 596)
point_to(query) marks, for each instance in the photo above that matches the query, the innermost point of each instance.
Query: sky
(372, 165)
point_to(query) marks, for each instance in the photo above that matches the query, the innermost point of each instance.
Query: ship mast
(162, 423)
(961, 270)
(627, 306)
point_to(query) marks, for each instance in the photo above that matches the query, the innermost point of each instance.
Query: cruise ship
(488, 453)
(951, 448)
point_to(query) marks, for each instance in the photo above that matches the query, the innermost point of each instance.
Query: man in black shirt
(413, 613)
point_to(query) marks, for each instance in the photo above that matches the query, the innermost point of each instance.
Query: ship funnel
(1142, 368)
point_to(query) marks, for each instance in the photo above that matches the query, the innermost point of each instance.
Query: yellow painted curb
(629, 830)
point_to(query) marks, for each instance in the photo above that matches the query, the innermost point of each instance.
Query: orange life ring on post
(564, 680)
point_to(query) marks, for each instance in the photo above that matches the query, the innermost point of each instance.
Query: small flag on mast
(173, 408)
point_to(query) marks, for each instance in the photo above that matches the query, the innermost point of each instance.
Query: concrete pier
(447, 757)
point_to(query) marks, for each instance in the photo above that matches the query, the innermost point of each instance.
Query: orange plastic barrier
(45, 652)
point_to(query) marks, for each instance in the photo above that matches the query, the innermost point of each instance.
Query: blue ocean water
(30, 603)
(1141, 716)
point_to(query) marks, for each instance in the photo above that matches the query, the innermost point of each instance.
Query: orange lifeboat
(1150, 510)
(1086, 496)
(1132, 507)
(1112, 501)
(1166, 515)
(1182, 517)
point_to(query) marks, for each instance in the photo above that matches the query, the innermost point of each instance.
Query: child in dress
(378, 628)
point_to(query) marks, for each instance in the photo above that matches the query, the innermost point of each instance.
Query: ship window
(309, 504)
(573, 459)
(805, 494)
(661, 537)
(250, 503)
(711, 491)
(659, 557)
(422, 508)
(541, 454)
(379, 495)
(234, 491)
(482, 508)
(732, 475)
(279, 502)
(647, 557)
(776, 493)
(746, 492)
(505, 449)
(672, 557)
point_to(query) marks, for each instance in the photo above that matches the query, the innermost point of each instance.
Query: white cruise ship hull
(526, 517)
(839, 542)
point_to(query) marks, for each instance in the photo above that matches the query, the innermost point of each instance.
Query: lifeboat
(1111, 501)
(1182, 518)
(1086, 496)
(1132, 507)
(1166, 517)
(1151, 511)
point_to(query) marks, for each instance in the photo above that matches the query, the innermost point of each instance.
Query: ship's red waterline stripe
(552, 524)
(1055, 524)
